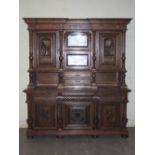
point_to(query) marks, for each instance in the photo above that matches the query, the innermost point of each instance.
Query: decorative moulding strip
(82, 20)
(23, 124)
(64, 23)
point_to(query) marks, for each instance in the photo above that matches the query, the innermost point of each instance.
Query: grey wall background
(76, 9)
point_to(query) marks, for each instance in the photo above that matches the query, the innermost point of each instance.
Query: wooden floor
(77, 145)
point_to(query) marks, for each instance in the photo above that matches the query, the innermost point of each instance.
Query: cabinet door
(77, 115)
(109, 116)
(45, 115)
(46, 48)
(108, 48)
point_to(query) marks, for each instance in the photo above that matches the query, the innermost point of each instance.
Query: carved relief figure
(45, 47)
(108, 47)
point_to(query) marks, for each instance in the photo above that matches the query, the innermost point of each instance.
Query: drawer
(109, 91)
(77, 74)
(77, 82)
(106, 78)
(47, 79)
(43, 92)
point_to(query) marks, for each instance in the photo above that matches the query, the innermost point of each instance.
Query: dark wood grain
(65, 99)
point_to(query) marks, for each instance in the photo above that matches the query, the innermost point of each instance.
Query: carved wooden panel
(108, 49)
(109, 115)
(45, 115)
(47, 47)
(77, 115)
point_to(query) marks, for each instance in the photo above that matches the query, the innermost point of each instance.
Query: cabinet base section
(31, 133)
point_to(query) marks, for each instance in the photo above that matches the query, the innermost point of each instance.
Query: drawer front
(109, 91)
(44, 93)
(106, 78)
(47, 79)
(77, 82)
(77, 74)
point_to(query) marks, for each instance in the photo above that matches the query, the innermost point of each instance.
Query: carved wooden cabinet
(77, 77)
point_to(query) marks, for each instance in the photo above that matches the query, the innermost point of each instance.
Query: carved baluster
(94, 61)
(29, 120)
(94, 53)
(123, 71)
(32, 76)
(60, 77)
(124, 105)
(60, 122)
(31, 73)
(61, 50)
(61, 58)
(93, 76)
(30, 50)
(96, 118)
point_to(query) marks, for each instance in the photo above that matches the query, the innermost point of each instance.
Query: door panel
(46, 47)
(108, 47)
(78, 115)
(109, 115)
(45, 115)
